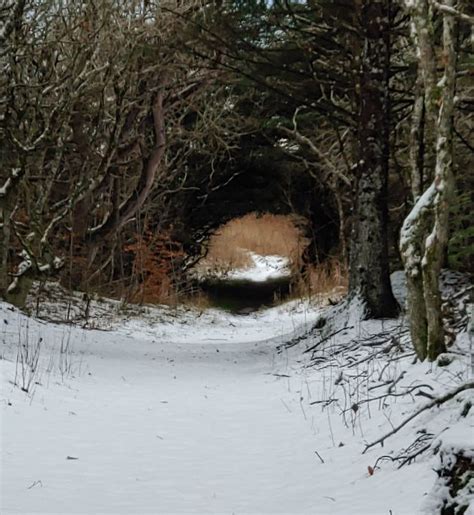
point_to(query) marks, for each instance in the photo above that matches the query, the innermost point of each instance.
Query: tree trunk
(412, 241)
(412, 249)
(369, 267)
(417, 139)
(146, 181)
(4, 248)
(424, 234)
(444, 183)
(8, 192)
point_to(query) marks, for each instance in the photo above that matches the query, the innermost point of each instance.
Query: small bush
(27, 360)
(156, 257)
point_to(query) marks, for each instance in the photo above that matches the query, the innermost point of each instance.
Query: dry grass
(327, 281)
(280, 235)
(198, 300)
(265, 234)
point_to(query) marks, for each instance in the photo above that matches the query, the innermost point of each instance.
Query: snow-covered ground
(260, 269)
(176, 411)
(263, 268)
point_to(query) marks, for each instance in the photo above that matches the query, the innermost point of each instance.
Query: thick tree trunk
(412, 241)
(412, 249)
(369, 266)
(424, 234)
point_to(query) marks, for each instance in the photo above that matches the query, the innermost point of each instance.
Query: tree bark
(424, 233)
(444, 184)
(5, 236)
(422, 18)
(413, 230)
(412, 249)
(8, 192)
(369, 266)
(117, 220)
(417, 139)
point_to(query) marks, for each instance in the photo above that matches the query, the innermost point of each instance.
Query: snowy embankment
(172, 411)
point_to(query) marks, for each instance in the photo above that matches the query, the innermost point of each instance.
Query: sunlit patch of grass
(264, 234)
(279, 235)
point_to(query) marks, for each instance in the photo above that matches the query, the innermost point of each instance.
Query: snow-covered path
(186, 414)
(157, 427)
(161, 430)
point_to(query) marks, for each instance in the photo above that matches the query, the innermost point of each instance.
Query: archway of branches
(257, 186)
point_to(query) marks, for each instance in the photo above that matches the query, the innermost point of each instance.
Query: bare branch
(434, 403)
(451, 11)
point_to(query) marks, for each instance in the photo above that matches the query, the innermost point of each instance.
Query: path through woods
(145, 426)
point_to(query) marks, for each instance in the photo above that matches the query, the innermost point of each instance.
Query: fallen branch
(326, 402)
(298, 339)
(309, 349)
(435, 402)
(391, 394)
(408, 459)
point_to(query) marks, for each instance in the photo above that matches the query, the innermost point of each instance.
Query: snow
(261, 269)
(411, 226)
(15, 173)
(180, 411)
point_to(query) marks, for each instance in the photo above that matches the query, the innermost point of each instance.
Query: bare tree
(95, 100)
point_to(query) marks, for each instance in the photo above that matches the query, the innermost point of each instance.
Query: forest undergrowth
(366, 372)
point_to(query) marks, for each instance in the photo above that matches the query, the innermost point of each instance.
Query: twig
(327, 338)
(413, 455)
(394, 383)
(435, 402)
(36, 483)
(326, 402)
(286, 405)
(319, 456)
(386, 395)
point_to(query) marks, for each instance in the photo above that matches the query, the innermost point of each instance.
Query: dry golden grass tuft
(325, 282)
(265, 234)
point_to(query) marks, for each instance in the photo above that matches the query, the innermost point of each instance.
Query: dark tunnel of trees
(130, 131)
